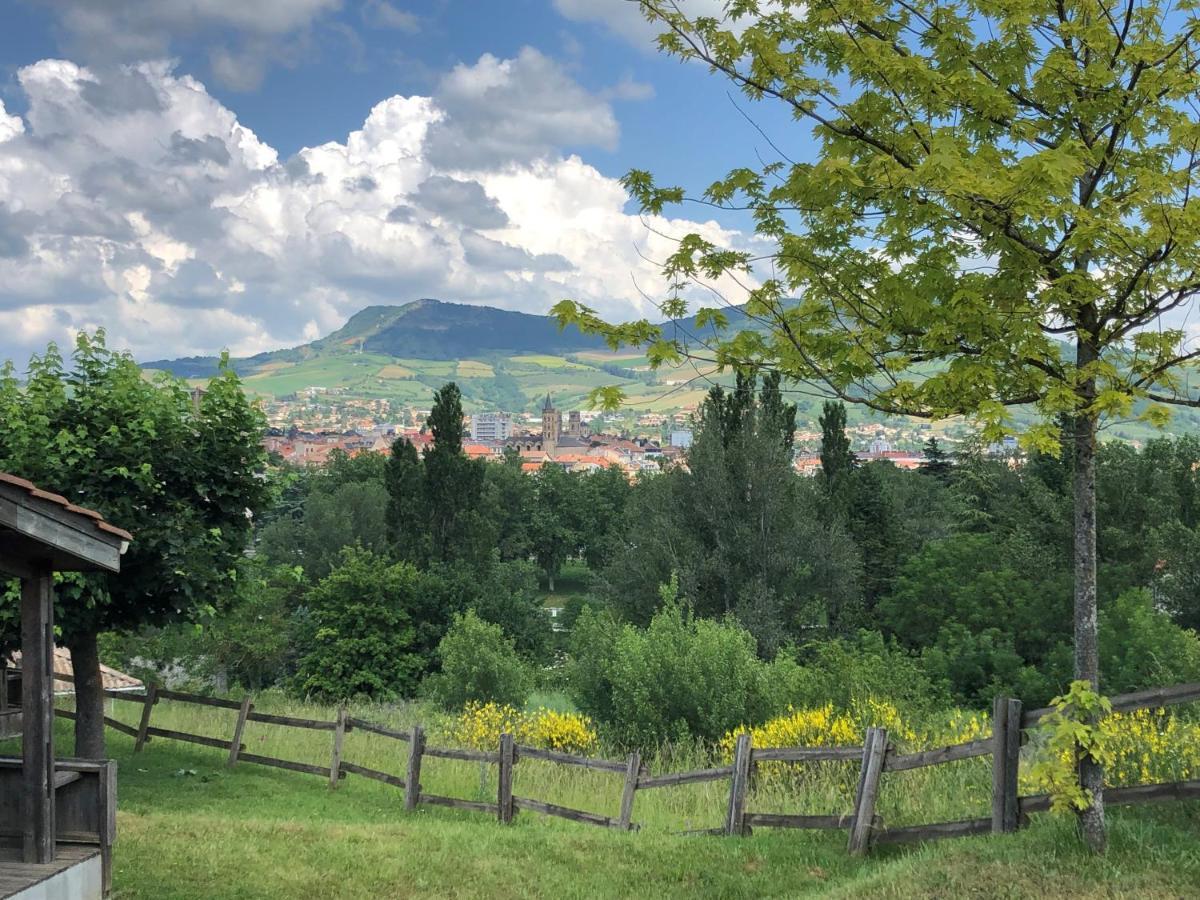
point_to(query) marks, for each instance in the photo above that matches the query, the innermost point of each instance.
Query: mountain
(499, 358)
(423, 329)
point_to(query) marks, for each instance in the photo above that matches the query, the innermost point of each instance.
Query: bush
(848, 670)
(678, 678)
(479, 665)
(1141, 647)
(480, 725)
(977, 666)
(356, 633)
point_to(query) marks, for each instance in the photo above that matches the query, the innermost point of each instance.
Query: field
(190, 828)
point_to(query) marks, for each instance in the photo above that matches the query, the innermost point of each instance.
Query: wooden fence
(876, 757)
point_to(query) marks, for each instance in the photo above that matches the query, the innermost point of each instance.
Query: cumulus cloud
(502, 110)
(135, 200)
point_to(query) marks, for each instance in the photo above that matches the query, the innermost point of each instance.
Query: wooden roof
(41, 530)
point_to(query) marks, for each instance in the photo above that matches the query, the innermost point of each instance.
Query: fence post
(735, 820)
(235, 746)
(504, 804)
(1006, 761)
(339, 735)
(412, 783)
(144, 724)
(632, 771)
(863, 820)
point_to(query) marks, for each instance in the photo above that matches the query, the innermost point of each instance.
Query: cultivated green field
(190, 828)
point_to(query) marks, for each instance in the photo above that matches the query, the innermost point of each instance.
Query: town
(580, 443)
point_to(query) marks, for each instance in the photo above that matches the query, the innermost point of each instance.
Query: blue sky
(186, 174)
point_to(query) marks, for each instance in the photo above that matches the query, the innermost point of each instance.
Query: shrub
(680, 677)
(356, 634)
(849, 670)
(479, 665)
(1141, 647)
(480, 725)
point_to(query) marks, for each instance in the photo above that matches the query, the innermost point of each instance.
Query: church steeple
(551, 426)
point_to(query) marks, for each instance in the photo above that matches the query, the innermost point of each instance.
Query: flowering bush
(1150, 746)
(480, 725)
(1146, 746)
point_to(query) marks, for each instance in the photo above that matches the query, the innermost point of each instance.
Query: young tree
(997, 211)
(184, 475)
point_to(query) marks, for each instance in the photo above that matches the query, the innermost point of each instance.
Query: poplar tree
(993, 209)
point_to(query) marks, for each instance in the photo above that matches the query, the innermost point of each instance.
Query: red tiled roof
(110, 679)
(34, 491)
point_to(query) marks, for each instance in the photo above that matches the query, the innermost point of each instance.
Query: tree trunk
(1087, 654)
(89, 696)
(550, 581)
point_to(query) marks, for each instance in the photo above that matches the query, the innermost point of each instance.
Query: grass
(190, 828)
(573, 580)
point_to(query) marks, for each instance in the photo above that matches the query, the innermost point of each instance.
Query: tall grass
(946, 792)
(191, 829)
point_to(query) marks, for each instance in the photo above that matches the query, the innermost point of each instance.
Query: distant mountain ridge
(422, 329)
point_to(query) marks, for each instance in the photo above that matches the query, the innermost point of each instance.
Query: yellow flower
(480, 725)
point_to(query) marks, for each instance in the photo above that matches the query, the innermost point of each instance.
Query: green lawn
(189, 828)
(573, 580)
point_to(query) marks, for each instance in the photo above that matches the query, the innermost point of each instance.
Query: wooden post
(863, 820)
(1006, 761)
(235, 746)
(738, 784)
(412, 783)
(37, 716)
(632, 771)
(339, 735)
(147, 706)
(504, 801)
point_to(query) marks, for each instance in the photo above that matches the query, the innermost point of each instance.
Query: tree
(479, 664)
(997, 212)
(554, 510)
(936, 463)
(436, 513)
(836, 456)
(184, 475)
(736, 527)
(333, 516)
(356, 635)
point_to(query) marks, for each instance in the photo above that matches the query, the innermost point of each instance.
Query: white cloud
(500, 110)
(135, 200)
(10, 126)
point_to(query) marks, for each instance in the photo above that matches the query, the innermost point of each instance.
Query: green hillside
(501, 360)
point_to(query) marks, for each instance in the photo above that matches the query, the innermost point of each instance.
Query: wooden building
(57, 816)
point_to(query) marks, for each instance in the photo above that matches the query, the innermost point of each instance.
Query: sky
(199, 175)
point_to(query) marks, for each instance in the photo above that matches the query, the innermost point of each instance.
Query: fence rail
(875, 758)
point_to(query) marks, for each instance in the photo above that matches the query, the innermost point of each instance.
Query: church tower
(551, 426)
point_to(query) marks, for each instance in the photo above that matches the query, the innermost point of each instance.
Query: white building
(494, 426)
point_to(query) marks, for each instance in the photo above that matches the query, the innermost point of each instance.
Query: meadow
(190, 827)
